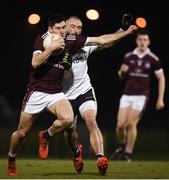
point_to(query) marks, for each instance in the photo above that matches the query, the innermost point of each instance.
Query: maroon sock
(47, 135)
(11, 158)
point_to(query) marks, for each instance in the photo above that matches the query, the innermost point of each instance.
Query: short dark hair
(142, 32)
(74, 17)
(55, 18)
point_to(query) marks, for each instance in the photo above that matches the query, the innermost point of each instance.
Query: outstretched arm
(161, 89)
(101, 47)
(110, 38)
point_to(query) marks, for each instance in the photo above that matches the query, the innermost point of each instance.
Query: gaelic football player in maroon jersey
(45, 86)
(138, 66)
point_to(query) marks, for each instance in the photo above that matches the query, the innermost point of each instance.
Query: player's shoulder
(153, 56)
(128, 54)
(42, 36)
(89, 49)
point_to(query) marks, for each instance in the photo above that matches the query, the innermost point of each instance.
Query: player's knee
(131, 125)
(21, 133)
(91, 123)
(121, 125)
(57, 124)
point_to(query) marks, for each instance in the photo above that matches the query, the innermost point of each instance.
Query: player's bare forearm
(39, 58)
(110, 38)
(115, 37)
(161, 91)
(161, 86)
(123, 71)
(121, 74)
(105, 46)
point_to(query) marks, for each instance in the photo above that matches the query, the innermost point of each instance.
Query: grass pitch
(63, 169)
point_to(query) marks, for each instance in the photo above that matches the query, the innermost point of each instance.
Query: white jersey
(79, 81)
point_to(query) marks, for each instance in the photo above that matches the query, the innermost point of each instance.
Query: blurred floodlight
(33, 18)
(141, 22)
(92, 14)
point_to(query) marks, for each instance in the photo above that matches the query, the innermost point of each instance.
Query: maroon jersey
(49, 76)
(141, 68)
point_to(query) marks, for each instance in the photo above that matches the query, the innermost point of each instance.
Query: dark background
(17, 38)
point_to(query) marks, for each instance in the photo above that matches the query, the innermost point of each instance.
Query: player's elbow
(160, 77)
(35, 64)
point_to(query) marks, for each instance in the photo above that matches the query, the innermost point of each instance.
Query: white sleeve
(87, 40)
(158, 71)
(37, 51)
(89, 48)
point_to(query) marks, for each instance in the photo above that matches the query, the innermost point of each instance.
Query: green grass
(63, 169)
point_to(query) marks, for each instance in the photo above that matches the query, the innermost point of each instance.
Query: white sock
(11, 155)
(50, 132)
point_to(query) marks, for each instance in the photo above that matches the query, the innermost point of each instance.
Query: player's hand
(159, 104)
(124, 68)
(131, 29)
(66, 62)
(57, 43)
(127, 20)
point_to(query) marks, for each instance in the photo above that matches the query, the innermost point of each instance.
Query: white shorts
(137, 102)
(88, 105)
(35, 101)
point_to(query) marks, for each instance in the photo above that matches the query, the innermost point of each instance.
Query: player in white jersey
(79, 91)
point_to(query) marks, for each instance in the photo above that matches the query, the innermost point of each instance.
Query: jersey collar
(140, 55)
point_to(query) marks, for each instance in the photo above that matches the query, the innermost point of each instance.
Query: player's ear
(49, 29)
(149, 42)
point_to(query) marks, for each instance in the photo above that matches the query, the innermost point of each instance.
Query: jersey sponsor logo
(139, 75)
(79, 57)
(132, 61)
(138, 70)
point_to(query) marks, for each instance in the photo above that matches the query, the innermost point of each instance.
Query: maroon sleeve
(156, 65)
(74, 42)
(126, 60)
(38, 45)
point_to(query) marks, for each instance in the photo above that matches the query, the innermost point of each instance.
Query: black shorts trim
(76, 103)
